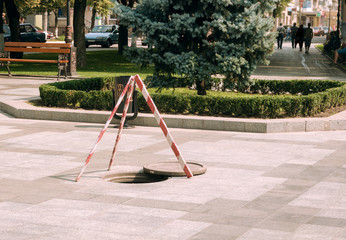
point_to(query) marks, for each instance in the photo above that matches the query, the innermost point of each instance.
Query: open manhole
(173, 169)
(135, 177)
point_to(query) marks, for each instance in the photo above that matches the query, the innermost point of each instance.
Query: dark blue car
(27, 33)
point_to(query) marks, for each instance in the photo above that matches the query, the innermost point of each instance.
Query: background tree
(99, 6)
(13, 18)
(1, 20)
(79, 31)
(50, 6)
(123, 28)
(198, 39)
(26, 7)
(280, 7)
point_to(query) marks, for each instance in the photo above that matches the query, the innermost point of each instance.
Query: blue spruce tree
(200, 39)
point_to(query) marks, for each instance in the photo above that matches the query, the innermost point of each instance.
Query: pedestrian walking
(281, 32)
(300, 37)
(293, 35)
(308, 35)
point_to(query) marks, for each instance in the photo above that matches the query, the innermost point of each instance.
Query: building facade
(319, 13)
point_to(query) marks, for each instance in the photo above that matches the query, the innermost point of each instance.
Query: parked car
(104, 35)
(325, 29)
(28, 33)
(49, 34)
(318, 31)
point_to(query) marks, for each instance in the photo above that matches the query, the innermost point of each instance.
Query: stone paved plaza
(257, 186)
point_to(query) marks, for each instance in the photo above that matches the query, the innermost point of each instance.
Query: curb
(24, 110)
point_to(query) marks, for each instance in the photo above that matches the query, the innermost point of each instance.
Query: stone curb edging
(22, 109)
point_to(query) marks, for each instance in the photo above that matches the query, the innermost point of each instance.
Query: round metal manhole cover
(136, 177)
(173, 169)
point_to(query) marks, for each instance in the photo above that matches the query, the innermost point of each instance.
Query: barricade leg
(163, 127)
(103, 130)
(122, 121)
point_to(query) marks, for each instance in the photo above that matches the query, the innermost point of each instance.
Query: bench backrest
(37, 47)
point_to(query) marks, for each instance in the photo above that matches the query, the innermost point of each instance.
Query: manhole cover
(173, 169)
(137, 177)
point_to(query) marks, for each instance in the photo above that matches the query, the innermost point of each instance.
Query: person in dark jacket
(308, 35)
(300, 37)
(293, 35)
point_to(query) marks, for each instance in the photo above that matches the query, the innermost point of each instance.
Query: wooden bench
(63, 49)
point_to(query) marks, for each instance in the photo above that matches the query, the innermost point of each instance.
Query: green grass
(99, 64)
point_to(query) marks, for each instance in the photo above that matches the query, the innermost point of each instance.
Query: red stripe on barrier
(187, 171)
(139, 82)
(163, 127)
(175, 149)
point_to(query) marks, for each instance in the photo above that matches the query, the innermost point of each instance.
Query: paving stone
(220, 231)
(327, 221)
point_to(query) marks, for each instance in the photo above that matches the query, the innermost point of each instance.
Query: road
(288, 63)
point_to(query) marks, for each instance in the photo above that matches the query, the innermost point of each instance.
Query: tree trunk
(79, 31)
(123, 31)
(56, 29)
(13, 17)
(123, 38)
(200, 85)
(93, 15)
(1, 20)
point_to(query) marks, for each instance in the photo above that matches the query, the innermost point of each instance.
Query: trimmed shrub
(263, 99)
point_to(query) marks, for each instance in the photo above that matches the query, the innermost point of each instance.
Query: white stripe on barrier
(170, 140)
(157, 116)
(145, 94)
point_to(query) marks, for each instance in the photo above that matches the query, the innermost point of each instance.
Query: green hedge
(92, 93)
(277, 99)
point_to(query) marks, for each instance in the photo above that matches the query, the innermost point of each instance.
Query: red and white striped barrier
(163, 126)
(131, 85)
(104, 129)
(122, 121)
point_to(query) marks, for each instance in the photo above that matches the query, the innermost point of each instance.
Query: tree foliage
(101, 7)
(280, 6)
(198, 39)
